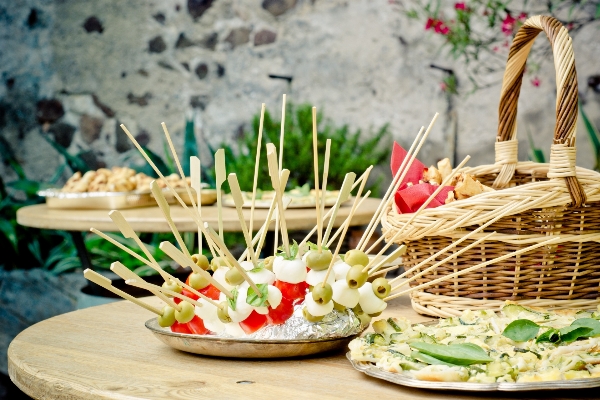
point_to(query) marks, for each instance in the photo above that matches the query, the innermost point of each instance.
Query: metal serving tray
(55, 198)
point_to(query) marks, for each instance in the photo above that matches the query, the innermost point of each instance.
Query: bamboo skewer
(396, 182)
(510, 207)
(107, 284)
(256, 165)
(281, 141)
(177, 197)
(231, 258)
(325, 176)
(126, 273)
(196, 178)
(148, 286)
(316, 171)
(345, 229)
(220, 178)
(400, 251)
(129, 233)
(276, 182)
(416, 214)
(185, 261)
(347, 221)
(238, 199)
(475, 267)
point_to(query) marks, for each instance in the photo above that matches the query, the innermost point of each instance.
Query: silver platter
(400, 379)
(245, 348)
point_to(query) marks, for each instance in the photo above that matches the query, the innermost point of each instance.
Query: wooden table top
(151, 219)
(105, 352)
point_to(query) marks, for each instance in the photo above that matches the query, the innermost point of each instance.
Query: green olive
(233, 277)
(167, 318)
(356, 277)
(268, 262)
(364, 319)
(318, 261)
(322, 293)
(217, 262)
(198, 281)
(201, 261)
(309, 317)
(356, 257)
(358, 309)
(381, 288)
(223, 312)
(171, 285)
(339, 307)
(186, 313)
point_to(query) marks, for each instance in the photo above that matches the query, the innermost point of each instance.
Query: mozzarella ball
(316, 309)
(292, 271)
(344, 295)
(369, 302)
(242, 309)
(219, 276)
(341, 270)
(277, 264)
(274, 296)
(234, 329)
(262, 276)
(247, 265)
(313, 277)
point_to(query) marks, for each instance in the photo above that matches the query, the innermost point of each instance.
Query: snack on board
(518, 344)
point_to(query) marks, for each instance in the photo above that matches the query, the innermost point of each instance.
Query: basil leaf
(294, 248)
(571, 333)
(233, 299)
(521, 330)
(551, 335)
(258, 268)
(459, 354)
(313, 246)
(588, 323)
(254, 299)
(417, 355)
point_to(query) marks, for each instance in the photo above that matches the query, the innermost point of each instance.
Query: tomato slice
(254, 322)
(282, 313)
(189, 294)
(180, 328)
(294, 292)
(211, 292)
(196, 325)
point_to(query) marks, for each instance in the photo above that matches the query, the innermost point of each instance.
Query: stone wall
(75, 70)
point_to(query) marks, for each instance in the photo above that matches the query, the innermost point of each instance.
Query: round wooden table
(105, 352)
(151, 219)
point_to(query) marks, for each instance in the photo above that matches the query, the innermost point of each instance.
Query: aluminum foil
(333, 325)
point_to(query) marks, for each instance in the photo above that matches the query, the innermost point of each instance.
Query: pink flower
(460, 6)
(443, 86)
(536, 82)
(441, 28)
(495, 49)
(430, 22)
(508, 24)
(522, 17)
(570, 26)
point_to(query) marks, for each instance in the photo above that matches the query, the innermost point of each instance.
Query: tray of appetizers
(517, 349)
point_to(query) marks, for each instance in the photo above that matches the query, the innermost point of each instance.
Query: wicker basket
(563, 200)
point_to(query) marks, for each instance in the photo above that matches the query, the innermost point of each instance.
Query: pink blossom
(508, 24)
(443, 86)
(430, 22)
(570, 26)
(522, 17)
(495, 49)
(441, 28)
(460, 6)
(536, 82)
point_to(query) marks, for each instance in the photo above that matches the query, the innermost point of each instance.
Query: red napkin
(410, 198)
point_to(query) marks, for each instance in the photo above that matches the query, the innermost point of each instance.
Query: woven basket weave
(563, 200)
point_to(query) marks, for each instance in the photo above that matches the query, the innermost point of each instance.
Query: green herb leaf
(571, 333)
(521, 330)
(459, 354)
(254, 299)
(588, 323)
(551, 335)
(233, 299)
(258, 268)
(417, 355)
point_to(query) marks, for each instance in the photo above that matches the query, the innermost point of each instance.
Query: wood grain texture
(150, 219)
(105, 352)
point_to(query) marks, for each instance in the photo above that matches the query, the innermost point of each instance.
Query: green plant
(594, 136)
(350, 151)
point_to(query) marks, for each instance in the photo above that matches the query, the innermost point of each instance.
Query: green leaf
(75, 163)
(459, 354)
(190, 146)
(593, 135)
(571, 333)
(313, 246)
(551, 335)
(294, 248)
(254, 299)
(9, 231)
(417, 355)
(160, 164)
(233, 299)
(588, 323)
(258, 268)
(521, 330)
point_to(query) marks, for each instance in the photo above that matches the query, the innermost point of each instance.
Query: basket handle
(562, 154)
